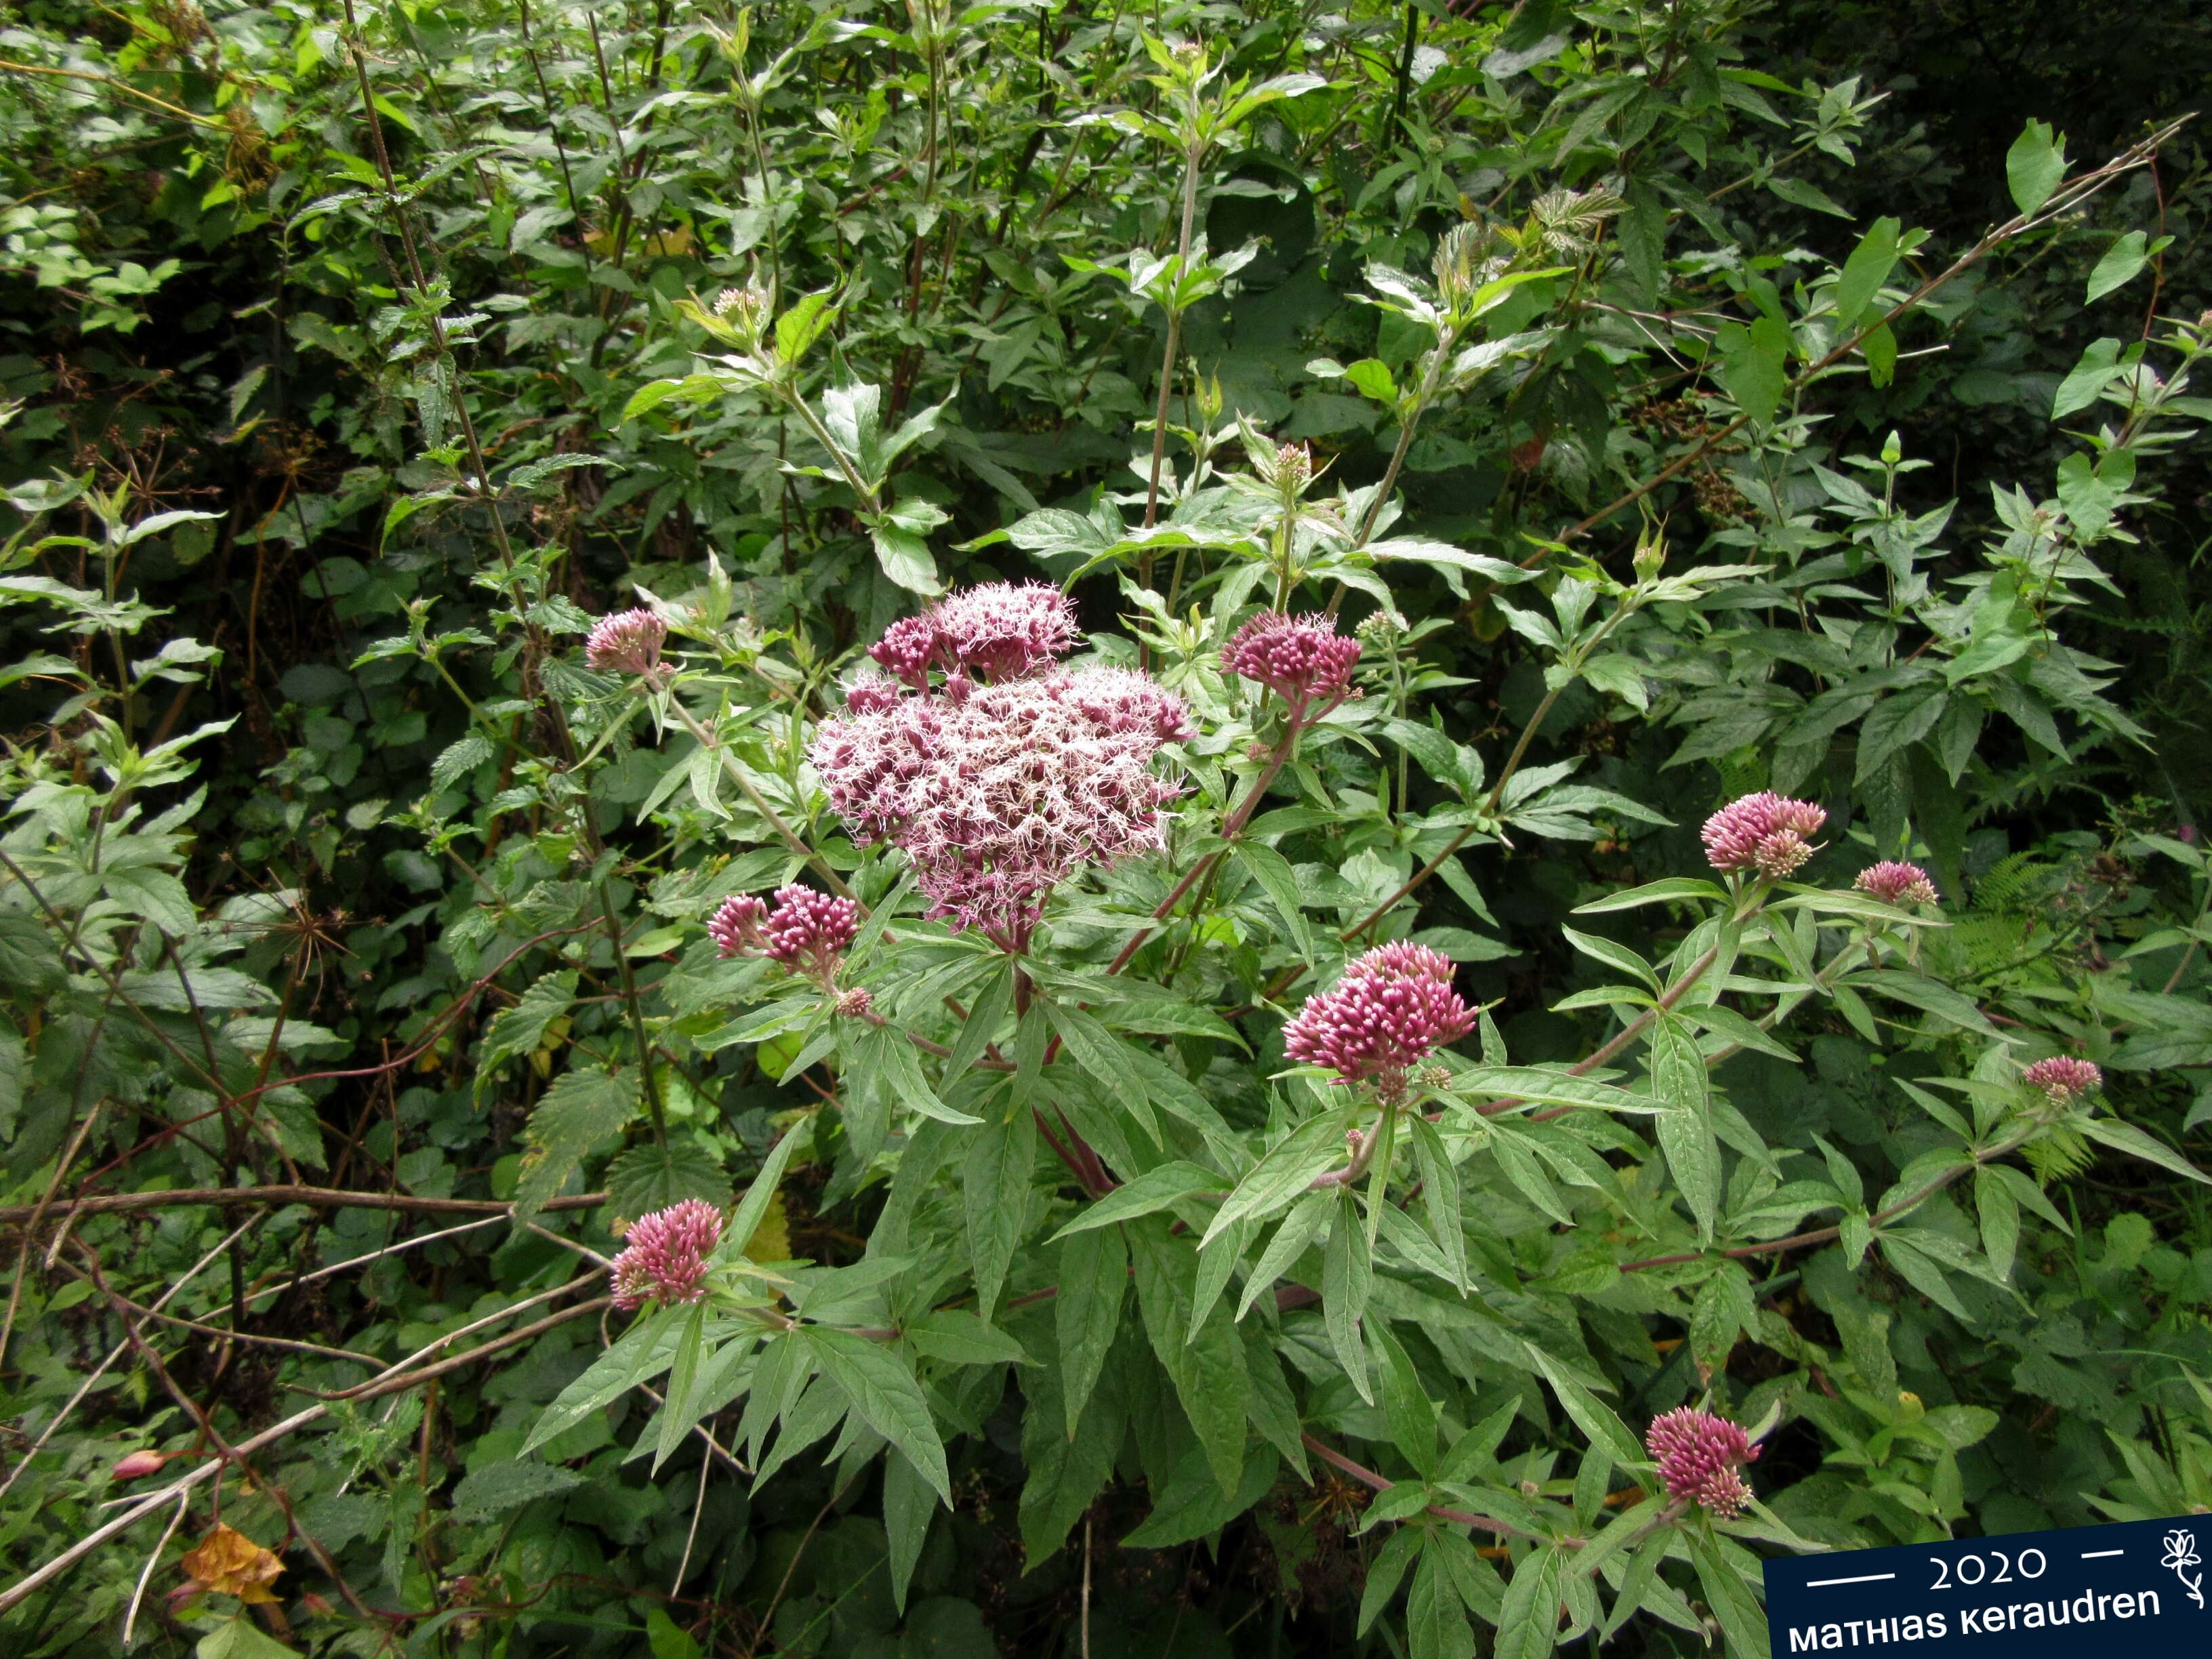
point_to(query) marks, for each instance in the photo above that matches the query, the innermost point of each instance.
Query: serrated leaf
(652, 1176)
(1094, 1277)
(494, 1489)
(520, 1030)
(1155, 1189)
(580, 1113)
(888, 1399)
(1685, 1127)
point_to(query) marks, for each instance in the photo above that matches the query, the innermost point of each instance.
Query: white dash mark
(2099, 1555)
(1866, 1578)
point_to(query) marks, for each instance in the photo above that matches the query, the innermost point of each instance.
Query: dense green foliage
(1674, 402)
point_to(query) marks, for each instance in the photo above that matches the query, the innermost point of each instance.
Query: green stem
(1192, 155)
(736, 775)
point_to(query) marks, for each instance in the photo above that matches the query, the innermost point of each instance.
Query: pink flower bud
(2063, 1078)
(1893, 882)
(1394, 1006)
(736, 927)
(808, 931)
(627, 642)
(1766, 834)
(664, 1257)
(1698, 1456)
(1302, 659)
(136, 1466)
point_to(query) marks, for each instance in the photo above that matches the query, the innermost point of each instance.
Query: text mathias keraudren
(2001, 1618)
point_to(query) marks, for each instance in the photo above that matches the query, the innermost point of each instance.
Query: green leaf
(1346, 1275)
(1155, 1189)
(752, 1209)
(652, 1176)
(1066, 1471)
(1373, 379)
(681, 1410)
(641, 1352)
(1108, 1059)
(908, 1508)
(1864, 272)
(1599, 1426)
(2086, 381)
(1673, 890)
(494, 1489)
(1440, 1196)
(582, 1112)
(1191, 1502)
(2126, 1138)
(241, 1638)
(901, 1066)
(1094, 1279)
(1286, 1171)
(1386, 1571)
(2034, 167)
(888, 1399)
(1754, 366)
(666, 1638)
(905, 558)
(1436, 1625)
(1686, 1126)
(1277, 880)
(1209, 1372)
(961, 1338)
(1406, 1406)
(996, 1183)
(2119, 267)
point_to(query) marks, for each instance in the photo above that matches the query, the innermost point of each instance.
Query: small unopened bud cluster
(1895, 883)
(999, 631)
(1766, 834)
(1700, 1456)
(1302, 659)
(664, 1258)
(805, 931)
(1393, 1007)
(2063, 1079)
(626, 642)
(1379, 627)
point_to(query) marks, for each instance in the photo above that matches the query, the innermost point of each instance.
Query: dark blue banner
(2138, 1585)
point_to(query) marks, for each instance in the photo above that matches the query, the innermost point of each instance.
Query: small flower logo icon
(2181, 1555)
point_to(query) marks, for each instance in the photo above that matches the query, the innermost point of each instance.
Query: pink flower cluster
(2063, 1078)
(1699, 1455)
(1302, 659)
(807, 932)
(999, 630)
(1766, 834)
(664, 1258)
(999, 793)
(1394, 1006)
(626, 642)
(1893, 882)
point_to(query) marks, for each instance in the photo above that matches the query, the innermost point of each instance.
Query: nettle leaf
(582, 1112)
(652, 1176)
(520, 1029)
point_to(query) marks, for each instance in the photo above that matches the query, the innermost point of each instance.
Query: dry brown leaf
(228, 1561)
